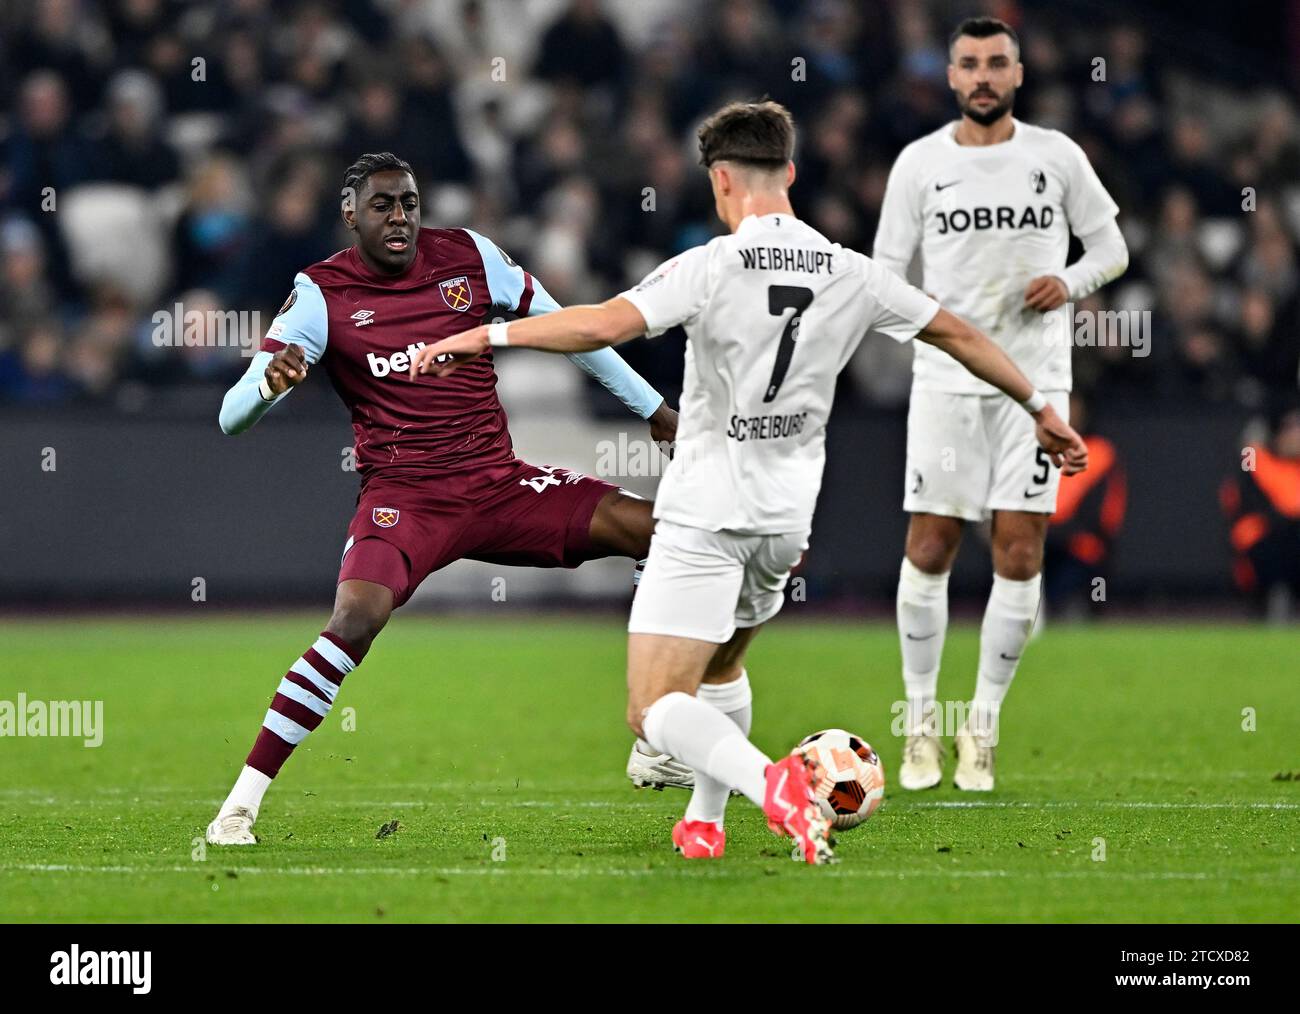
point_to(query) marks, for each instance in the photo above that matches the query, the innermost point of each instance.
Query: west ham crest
(385, 517)
(456, 293)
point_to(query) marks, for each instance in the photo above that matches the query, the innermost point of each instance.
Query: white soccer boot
(922, 766)
(233, 827)
(974, 761)
(658, 770)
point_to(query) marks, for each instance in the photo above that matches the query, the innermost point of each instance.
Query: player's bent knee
(358, 620)
(932, 542)
(638, 523)
(931, 555)
(1019, 559)
(724, 674)
(623, 525)
(728, 662)
(640, 703)
(358, 629)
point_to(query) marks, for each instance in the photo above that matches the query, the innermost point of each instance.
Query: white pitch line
(639, 804)
(115, 792)
(304, 871)
(1144, 776)
(502, 869)
(458, 787)
(1113, 804)
(564, 804)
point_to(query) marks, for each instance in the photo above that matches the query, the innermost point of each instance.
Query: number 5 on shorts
(1045, 463)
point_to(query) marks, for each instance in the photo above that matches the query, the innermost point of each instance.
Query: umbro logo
(364, 317)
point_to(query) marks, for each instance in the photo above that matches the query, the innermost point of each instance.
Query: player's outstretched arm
(513, 288)
(269, 378)
(573, 329)
(618, 378)
(986, 360)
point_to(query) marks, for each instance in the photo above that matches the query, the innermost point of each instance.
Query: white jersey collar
(751, 222)
(950, 135)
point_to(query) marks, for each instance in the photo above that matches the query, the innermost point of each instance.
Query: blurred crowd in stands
(155, 152)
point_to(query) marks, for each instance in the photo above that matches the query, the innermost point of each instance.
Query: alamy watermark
(75, 967)
(1087, 329)
(632, 458)
(75, 719)
(209, 327)
(945, 718)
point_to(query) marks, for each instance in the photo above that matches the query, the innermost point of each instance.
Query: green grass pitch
(498, 745)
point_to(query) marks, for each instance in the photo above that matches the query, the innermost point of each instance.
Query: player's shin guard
(922, 626)
(736, 701)
(1008, 621)
(700, 735)
(302, 701)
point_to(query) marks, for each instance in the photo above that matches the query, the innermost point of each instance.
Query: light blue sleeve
(620, 380)
(243, 404)
(506, 279)
(301, 320)
(507, 285)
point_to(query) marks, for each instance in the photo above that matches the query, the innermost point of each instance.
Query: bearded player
(773, 311)
(439, 480)
(990, 202)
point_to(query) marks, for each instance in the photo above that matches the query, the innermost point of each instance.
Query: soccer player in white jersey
(772, 313)
(990, 202)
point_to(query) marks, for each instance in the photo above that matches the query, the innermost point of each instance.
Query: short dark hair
(983, 28)
(758, 134)
(367, 165)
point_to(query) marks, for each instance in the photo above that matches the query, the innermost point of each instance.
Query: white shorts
(704, 585)
(971, 454)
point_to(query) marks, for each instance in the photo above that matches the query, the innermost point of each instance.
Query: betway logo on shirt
(398, 362)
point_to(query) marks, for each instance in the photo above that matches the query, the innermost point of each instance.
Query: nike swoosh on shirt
(944, 186)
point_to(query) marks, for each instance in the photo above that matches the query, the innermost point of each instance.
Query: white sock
(250, 787)
(922, 627)
(700, 735)
(1008, 620)
(736, 701)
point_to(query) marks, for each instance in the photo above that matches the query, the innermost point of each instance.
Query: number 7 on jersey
(779, 299)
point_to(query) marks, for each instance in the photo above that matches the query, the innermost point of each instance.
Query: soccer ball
(852, 778)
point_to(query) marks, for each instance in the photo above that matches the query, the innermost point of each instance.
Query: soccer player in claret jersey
(439, 480)
(990, 202)
(772, 312)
